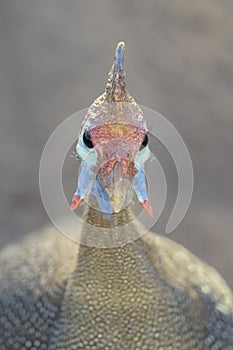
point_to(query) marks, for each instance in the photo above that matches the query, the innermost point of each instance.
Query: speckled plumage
(150, 294)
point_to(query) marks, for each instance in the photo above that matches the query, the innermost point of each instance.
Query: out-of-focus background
(54, 60)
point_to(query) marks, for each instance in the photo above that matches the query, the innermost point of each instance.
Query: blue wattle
(140, 185)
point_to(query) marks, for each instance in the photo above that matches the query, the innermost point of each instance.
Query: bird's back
(149, 294)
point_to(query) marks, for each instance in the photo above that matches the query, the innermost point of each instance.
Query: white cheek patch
(141, 157)
(86, 154)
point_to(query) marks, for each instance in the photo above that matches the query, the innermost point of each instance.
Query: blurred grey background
(54, 60)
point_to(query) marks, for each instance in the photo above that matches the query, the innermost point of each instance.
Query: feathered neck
(101, 230)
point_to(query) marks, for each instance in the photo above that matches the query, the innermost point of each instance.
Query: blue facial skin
(139, 183)
(86, 177)
(88, 184)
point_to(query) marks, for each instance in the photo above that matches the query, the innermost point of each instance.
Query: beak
(118, 186)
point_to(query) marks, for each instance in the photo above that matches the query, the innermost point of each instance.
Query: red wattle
(147, 207)
(76, 201)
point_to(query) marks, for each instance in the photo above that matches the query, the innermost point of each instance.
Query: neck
(108, 231)
(119, 235)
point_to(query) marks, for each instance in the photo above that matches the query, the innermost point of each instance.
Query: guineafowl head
(113, 148)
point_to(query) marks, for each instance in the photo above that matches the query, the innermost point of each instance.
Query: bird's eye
(87, 139)
(144, 142)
